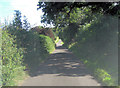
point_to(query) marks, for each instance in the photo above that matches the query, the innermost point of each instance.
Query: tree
(17, 23)
(53, 9)
(63, 14)
(26, 24)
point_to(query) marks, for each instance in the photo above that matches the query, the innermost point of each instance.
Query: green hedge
(12, 59)
(37, 47)
(25, 48)
(96, 45)
(48, 43)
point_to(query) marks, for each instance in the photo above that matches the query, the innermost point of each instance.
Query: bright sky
(27, 8)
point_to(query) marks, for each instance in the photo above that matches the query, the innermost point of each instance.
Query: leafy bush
(106, 78)
(96, 44)
(69, 33)
(25, 46)
(48, 43)
(37, 47)
(12, 59)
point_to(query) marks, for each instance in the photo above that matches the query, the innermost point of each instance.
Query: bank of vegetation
(22, 50)
(90, 31)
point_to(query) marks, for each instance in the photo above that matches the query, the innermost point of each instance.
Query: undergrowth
(22, 52)
(12, 58)
(96, 45)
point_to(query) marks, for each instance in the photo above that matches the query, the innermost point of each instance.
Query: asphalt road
(62, 68)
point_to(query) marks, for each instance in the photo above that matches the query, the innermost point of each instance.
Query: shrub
(104, 76)
(37, 47)
(96, 44)
(12, 58)
(69, 33)
(48, 43)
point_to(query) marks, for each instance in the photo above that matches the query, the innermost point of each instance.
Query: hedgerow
(22, 50)
(12, 58)
(48, 43)
(96, 45)
(37, 47)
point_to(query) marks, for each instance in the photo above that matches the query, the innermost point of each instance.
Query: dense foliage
(22, 50)
(52, 10)
(90, 31)
(48, 43)
(97, 46)
(37, 47)
(17, 19)
(28, 47)
(12, 59)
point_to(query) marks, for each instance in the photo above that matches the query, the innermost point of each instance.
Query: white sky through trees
(27, 8)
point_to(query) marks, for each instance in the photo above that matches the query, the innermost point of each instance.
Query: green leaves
(17, 20)
(97, 44)
(47, 43)
(11, 59)
(26, 24)
(106, 78)
(36, 47)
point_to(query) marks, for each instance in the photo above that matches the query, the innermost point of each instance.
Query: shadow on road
(61, 62)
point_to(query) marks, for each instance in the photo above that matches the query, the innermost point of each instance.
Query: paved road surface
(61, 69)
